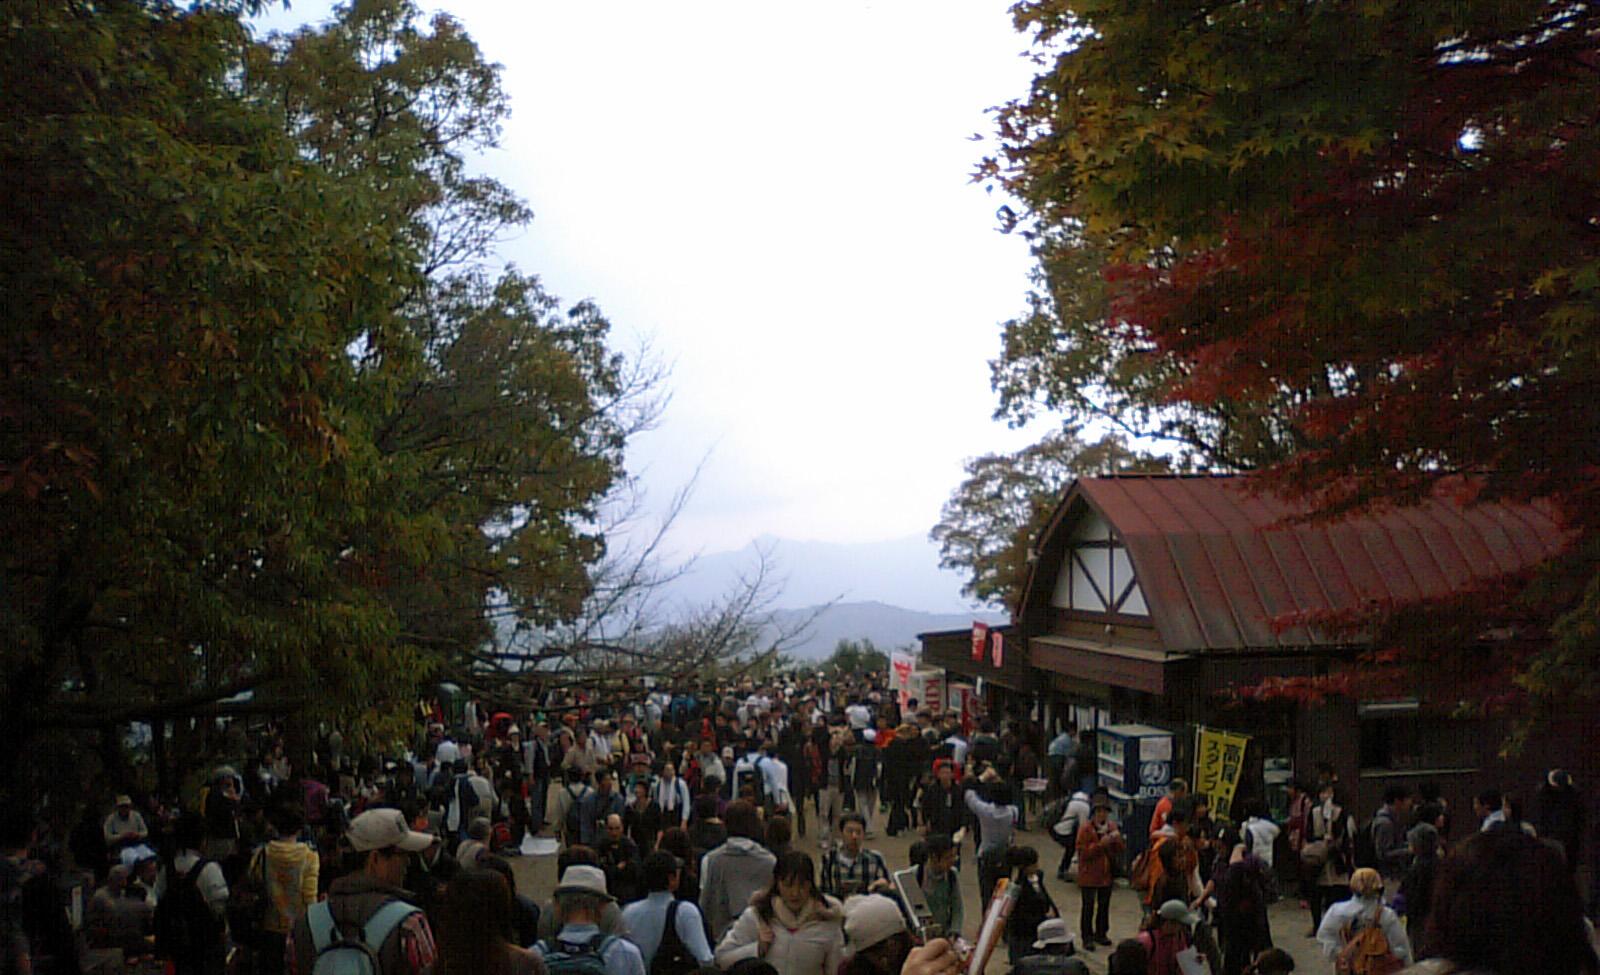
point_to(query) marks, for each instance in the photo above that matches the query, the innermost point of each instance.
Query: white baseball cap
(870, 919)
(381, 829)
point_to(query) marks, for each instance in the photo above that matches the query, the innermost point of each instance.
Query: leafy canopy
(989, 526)
(271, 417)
(1353, 245)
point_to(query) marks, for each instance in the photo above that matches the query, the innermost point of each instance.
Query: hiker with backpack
(1360, 935)
(1075, 811)
(575, 810)
(668, 930)
(367, 925)
(190, 921)
(580, 947)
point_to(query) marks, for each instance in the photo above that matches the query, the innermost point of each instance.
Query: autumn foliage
(1352, 246)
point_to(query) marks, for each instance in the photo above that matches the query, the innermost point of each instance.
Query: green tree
(271, 421)
(509, 426)
(856, 657)
(179, 459)
(988, 527)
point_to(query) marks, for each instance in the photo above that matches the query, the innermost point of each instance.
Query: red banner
(980, 638)
(999, 648)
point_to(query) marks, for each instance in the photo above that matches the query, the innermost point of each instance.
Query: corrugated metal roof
(1218, 564)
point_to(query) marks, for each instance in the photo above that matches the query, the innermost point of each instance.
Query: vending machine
(1134, 762)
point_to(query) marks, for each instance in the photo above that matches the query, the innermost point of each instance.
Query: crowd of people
(674, 816)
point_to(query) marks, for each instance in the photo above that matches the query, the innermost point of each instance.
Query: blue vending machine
(1135, 766)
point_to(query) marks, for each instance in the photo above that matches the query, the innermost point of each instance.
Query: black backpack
(186, 928)
(1366, 854)
(580, 810)
(673, 957)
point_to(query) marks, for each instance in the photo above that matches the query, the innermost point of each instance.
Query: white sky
(777, 197)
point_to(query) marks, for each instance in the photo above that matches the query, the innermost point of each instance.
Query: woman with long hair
(1504, 904)
(791, 925)
(475, 929)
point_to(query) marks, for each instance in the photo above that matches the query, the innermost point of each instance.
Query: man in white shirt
(646, 920)
(671, 793)
(774, 780)
(860, 717)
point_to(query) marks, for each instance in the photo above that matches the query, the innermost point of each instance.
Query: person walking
(580, 947)
(735, 871)
(1416, 890)
(944, 809)
(1329, 853)
(1348, 920)
(1504, 904)
(671, 796)
(849, 869)
(1065, 829)
(989, 801)
(792, 925)
(369, 905)
(284, 876)
(1241, 912)
(941, 885)
(1099, 843)
(664, 924)
(836, 778)
(1033, 904)
(475, 928)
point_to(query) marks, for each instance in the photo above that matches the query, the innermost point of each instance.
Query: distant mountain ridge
(888, 627)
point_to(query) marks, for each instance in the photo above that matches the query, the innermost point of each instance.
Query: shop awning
(1136, 668)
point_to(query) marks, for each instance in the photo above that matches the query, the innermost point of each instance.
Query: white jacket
(811, 944)
(1073, 816)
(1260, 835)
(1330, 933)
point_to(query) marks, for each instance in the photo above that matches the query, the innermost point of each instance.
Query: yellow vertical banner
(1218, 764)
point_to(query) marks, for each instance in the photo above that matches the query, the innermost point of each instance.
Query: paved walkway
(536, 878)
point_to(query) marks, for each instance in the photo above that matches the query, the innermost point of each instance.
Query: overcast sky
(777, 197)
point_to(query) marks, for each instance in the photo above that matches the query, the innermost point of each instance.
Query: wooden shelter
(1153, 597)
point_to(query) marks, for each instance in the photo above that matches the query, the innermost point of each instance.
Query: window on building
(1396, 736)
(1097, 575)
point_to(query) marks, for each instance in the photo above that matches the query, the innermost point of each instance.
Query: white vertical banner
(900, 667)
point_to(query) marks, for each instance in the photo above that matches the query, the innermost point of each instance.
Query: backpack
(1366, 952)
(186, 928)
(672, 957)
(466, 802)
(579, 811)
(1366, 852)
(338, 953)
(247, 901)
(1141, 876)
(577, 958)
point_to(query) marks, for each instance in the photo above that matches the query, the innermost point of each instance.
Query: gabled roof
(1218, 563)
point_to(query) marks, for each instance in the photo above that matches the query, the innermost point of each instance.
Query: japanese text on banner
(1218, 765)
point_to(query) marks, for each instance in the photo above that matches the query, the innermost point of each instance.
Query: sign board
(1218, 765)
(901, 666)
